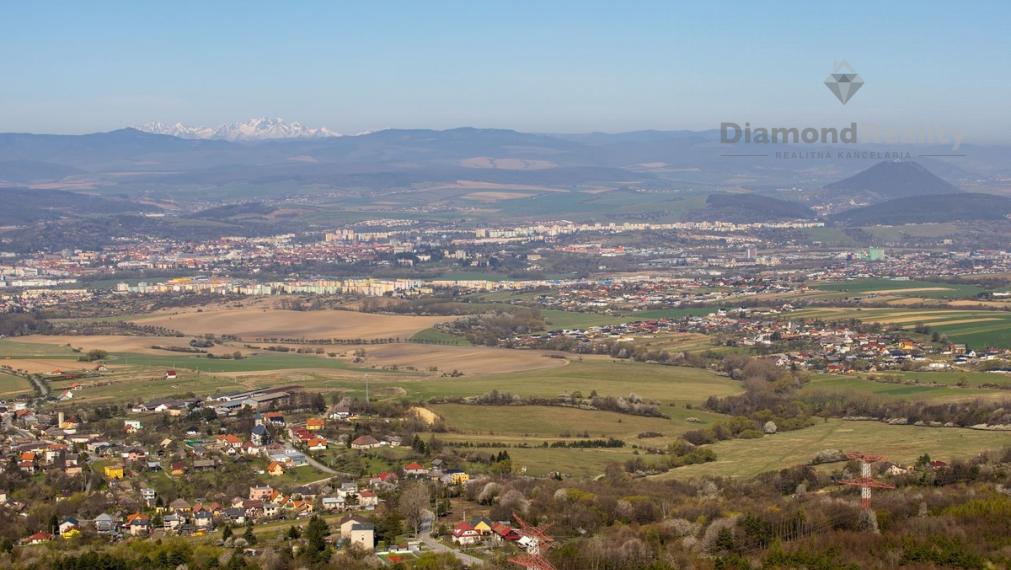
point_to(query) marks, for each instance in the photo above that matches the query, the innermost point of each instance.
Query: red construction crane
(866, 482)
(537, 542)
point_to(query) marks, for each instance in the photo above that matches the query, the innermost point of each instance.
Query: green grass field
(665, 384)
(140, 384)
(976, 328)
(436, 336)
(555, 319)
(255, 362)
(903, 444)
(13, 349)
(898, 233)
(582, 463)
(532, 426)
(670, 313)
(544, 421)
(917, 386)
(944, 290)
(11, 385)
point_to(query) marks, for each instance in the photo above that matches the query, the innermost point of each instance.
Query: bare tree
(412, 504)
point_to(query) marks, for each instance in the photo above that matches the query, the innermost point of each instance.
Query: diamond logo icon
(844, 85)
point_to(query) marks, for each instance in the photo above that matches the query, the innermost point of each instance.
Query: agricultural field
(124, 343)
(978, 329)
(252, 322)
(10, 349)
(666, 384)
(933, 387)
(743, 458)
(523, 431)
(681, 342)
(930, 289)
(533, 422)
(579, 463)
(470, 360)
(11, 385)
(901, 233)
(556, 319)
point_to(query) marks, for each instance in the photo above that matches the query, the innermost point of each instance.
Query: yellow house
(114, 471)
(68, 534)
(482, 525)
(459, 477)
(314, 424)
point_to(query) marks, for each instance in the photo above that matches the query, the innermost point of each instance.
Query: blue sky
(536, 66)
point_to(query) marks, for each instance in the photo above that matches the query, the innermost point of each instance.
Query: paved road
(320, 466)
(40, 385)
(436, 546)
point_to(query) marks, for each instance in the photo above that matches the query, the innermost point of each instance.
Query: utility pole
(366, 392)
(866, 482)
(538, 544)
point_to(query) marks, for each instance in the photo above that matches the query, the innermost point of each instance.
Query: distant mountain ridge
(751, 208)
(255, 129)
(891, 179)
(938, 208)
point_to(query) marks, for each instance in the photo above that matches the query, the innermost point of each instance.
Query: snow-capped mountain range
(257, 129)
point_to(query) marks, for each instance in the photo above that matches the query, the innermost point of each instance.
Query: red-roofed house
(464, 534)
(415, 470)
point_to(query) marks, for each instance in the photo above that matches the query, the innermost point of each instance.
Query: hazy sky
(538, 66)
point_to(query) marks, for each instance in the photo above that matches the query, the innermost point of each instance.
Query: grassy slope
(436, 336)
(991, 328)
(608, 378)
(11, 385)
(903, 444)
(925, 389)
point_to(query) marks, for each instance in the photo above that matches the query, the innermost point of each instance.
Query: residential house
(464, 534)
(346, 523)
(334, 503)
(504, 533)
(362, 536)
(203, 519)
(138, 524)
(275, 469)
(70, 528)
(234, 515)
(415, 470)
(106, 524)
(261, 492)
(383, 479)
(365, 442)
(368, 499)
(113, 471)
(482, 525)
(272, 418)
(38, 538)
(456, 476)
(173, 522)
